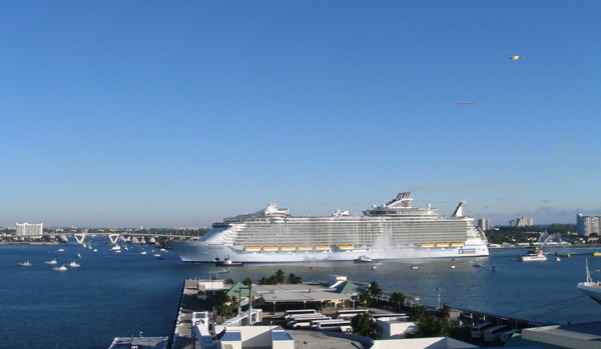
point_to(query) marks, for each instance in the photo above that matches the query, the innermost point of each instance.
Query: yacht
(536, 255)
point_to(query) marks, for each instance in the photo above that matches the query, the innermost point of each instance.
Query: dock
(183, 337)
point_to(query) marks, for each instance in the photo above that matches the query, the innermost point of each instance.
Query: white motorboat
(51, 261)
(61, 268)
(364, 259)
(74, 264)
(24, 264)
(589, 287)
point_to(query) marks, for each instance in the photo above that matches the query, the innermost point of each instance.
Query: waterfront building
(26, 229)
(522, 222)
(586, 225)
(484, 224)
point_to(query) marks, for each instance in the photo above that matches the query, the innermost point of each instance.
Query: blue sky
(163, 114)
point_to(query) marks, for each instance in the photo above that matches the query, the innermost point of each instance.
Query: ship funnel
(459, 210)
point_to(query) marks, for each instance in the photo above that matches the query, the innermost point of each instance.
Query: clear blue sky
(155, 113)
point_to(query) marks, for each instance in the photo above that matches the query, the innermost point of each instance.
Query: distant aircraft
(465, 103)
(515, 57)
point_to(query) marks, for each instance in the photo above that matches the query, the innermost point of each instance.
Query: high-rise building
(586, 225)
(484, 224)
(26, 229)
(521, 222)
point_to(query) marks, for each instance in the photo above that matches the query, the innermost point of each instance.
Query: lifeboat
(287, 248)
(442, 244)
(322, 247)
(457, 244)
(427, 244)
(252, 248)
(270, 248)
(304, 248)
(345, 247)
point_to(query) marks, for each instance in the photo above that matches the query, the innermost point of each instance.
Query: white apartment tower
(522, 222)
(586, 225)
(26, 229)
(484, 224)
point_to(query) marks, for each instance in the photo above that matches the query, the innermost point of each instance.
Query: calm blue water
(123, 294)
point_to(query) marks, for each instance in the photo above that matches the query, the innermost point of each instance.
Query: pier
(184, 336)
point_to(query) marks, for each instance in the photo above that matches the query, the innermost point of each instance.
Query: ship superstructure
(395, 230)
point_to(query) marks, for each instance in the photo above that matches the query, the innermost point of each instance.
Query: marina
(119, 294)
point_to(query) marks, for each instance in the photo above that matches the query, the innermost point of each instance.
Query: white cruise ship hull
(198, 252)
(395, 230)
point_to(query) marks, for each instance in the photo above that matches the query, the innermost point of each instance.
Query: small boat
(74, 264)
(597, 254)
(227, 262)
(158, 256)
(51, 262)
(61, 268)
(536, 255)
(589, 287)
(61, 250)
(558, 259)
(116, 248)
(364, 259)
(414, 266)
(373, 268)
(452, 267)
(143, 252)
(477, 265)
(223, 271)
(312, 268)
(78, 255)
(24, 264)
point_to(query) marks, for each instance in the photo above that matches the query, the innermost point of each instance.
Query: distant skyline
(146, 113)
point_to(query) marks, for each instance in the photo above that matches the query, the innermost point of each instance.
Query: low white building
(394, 329)
(421, 343)
(238, 337)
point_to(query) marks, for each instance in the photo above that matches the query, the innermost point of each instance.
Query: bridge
(112, 236)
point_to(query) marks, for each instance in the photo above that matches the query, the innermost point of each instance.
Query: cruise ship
(395, 230)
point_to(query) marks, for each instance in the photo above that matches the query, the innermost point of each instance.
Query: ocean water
(127, 293)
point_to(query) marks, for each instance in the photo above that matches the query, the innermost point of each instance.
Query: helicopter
(515, 57)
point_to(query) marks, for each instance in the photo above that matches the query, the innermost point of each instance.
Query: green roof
(348, 288)
(235, 291)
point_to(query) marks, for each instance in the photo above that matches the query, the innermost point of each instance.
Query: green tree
(431, 325)
(362, 324)
(247, 282)
(294, 279)
(279, 277)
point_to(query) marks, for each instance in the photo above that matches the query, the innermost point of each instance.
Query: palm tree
(374, 292)
(397, 300)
